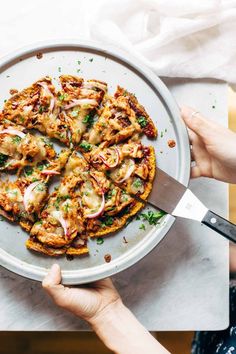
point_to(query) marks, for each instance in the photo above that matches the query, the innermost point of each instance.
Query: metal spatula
(174, 198)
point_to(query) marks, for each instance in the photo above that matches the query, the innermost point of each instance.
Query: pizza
(19, 149)
(100, 171)
(22, 200)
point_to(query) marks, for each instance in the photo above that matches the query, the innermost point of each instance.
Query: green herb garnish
(16, 139)
(100, 241)
(85, 146)
(142, 227)
(152, 216)
(107, 221)
(88, 119)
(137, 183)
(142, 121)
(28, 170)
(91, 60)
(3, 159)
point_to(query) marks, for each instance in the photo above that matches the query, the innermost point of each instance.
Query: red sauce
(171, 143)
(107, 258)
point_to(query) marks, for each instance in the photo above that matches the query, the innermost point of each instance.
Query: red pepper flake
(13, 91)
(107, 258)
(39, 55)
(171, 143)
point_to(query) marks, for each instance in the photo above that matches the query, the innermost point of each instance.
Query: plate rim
(107, 269)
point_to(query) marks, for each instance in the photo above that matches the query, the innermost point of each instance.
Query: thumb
(196, 122)
(52, 283)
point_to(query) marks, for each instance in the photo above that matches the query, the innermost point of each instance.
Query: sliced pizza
(80, 100)
(19, 148)
(105, 206)
(23, 199)
(61, 224)
(122, 118)
(37, 107)
(130, 165)
(142, 117)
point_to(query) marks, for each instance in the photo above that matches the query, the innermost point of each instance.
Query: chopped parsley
(16, 139)
(85, 146)
(22, 119)
(28, 170)
(142, 121)
(47, 142)
(42, 165)
(78, 62)
(88, 119)
(162, 134)
(66, 207)
(91, 60)
(152, 216)
(42, 109)
(3, 159)
(61, 97)
(100, 241)
(107, 221)
(137, 183)
(142, 227)
(40, 187)
(59, 69)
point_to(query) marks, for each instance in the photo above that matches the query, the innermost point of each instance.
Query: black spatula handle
(220, 225)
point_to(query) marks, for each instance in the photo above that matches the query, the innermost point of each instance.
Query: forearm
(123, 334)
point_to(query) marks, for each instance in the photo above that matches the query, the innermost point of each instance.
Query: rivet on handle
(213, 220)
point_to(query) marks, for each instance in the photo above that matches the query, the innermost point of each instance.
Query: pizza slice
(37, 107)
(122, 117)
(142, 117)
(80, 100)
(61, 229)
(19, 148)
(23, 199)
(130, 165)
(105, 207)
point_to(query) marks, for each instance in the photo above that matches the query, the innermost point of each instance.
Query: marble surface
(181, 285)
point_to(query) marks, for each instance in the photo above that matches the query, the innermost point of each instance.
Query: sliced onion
(81, 102)
(129, 171)
(49, 93)
(27, 108)
(58, 215)
(50, 172)
(52, 104)
(45, 87)
(13, 132)
(92, 84)
(100, 210)
(117, 160)
(28, 193)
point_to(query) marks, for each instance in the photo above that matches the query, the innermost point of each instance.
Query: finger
(195, 172)
(196, 122)
(53, 277)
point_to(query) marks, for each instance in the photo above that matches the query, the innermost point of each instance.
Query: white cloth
(176, 38)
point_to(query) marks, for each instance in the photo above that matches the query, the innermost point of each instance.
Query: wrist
(121, 332)
(107, 314)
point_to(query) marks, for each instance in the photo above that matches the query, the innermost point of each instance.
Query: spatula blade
(166, 192)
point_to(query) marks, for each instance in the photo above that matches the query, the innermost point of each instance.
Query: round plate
(130, 244)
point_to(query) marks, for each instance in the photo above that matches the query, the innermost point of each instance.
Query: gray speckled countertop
(181, 285)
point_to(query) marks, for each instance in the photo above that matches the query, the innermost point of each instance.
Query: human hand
(213, 147)
(87, 302)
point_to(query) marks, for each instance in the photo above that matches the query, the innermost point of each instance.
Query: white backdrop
(188, 38)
